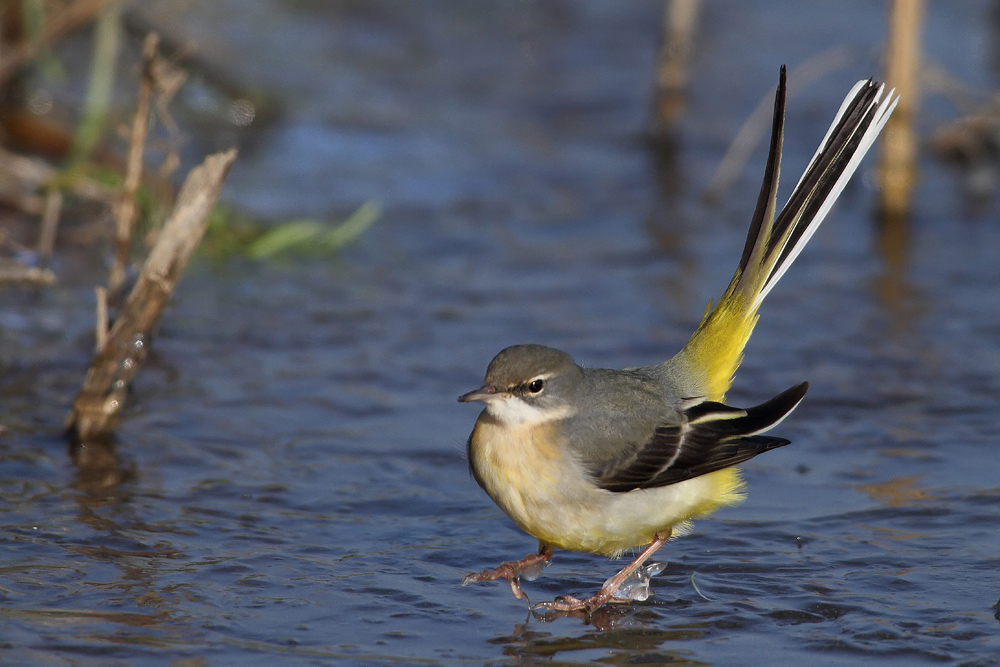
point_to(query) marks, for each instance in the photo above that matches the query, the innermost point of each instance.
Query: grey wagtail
(601, 460)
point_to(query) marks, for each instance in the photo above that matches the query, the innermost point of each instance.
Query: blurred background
(419, 185)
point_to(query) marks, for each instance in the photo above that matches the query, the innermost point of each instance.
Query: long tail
(715, 350)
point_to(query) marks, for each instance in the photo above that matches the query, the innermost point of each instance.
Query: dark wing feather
(714, 436)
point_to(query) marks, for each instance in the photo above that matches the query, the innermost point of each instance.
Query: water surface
(295, 485)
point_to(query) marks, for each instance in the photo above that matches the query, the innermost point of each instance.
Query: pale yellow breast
(544, 491)
(524, 471)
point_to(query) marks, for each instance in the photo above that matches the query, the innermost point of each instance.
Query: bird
(604, 460)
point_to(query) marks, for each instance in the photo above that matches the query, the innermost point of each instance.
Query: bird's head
(528, 385)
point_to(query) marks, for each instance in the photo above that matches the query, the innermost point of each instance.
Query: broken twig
(99, 404)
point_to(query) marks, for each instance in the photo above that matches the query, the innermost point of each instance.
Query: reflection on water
(628, 632)
(290, 485)
(895, 492)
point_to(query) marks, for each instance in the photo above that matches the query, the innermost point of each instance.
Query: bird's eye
(536, 386)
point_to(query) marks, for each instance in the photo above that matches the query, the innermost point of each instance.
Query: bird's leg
(610, 587)
(530, 566)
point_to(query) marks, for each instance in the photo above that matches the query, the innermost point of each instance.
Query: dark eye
(536, 386)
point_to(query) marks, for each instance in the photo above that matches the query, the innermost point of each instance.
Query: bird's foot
(626, 586)
(568, 603)
(528, 567)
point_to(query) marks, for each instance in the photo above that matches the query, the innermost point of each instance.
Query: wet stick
(98, 406)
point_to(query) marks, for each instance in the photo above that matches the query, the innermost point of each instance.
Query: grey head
(528, 384)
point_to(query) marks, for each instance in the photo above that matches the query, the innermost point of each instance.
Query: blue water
(293, 487)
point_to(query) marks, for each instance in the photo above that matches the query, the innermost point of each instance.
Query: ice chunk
(636, 587)
(531, 572)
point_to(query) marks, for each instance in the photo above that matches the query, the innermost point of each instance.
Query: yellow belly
(549, 495)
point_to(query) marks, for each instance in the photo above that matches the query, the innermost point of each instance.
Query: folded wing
(713, 436)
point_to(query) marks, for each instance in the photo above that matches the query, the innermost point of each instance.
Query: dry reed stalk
(50, 223)
(680, 18)
(125, 206)
(101, 319)
(897, 170)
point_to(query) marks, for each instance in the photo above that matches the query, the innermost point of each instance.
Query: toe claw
(562, 603)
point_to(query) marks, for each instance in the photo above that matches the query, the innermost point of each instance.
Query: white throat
(515, 411)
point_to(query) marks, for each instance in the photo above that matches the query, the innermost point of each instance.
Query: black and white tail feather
(776, 238)
(774, 242)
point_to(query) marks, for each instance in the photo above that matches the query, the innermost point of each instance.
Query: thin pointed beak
(484, 394)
